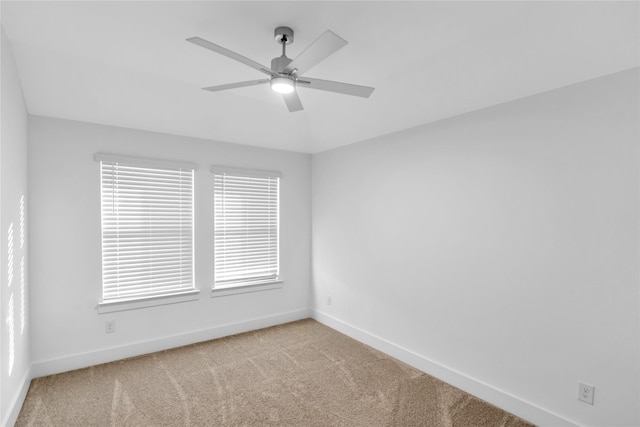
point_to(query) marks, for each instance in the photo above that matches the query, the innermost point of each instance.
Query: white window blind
(246, 222)
(147, 228)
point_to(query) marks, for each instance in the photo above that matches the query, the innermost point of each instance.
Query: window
(147, 228)
(246, 216)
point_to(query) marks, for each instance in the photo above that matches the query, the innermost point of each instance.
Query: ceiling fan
(284, 74)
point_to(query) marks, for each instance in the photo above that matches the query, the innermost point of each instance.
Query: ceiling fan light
(282, 85)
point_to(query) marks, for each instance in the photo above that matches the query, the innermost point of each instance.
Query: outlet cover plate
(109, 326)
(585, 393)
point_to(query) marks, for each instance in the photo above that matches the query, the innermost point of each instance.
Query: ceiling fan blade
(293, 101)
(321, 48)
(331, 86)
(235, 85)
(230, 54)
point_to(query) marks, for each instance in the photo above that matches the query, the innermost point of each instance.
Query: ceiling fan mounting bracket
(283, 32)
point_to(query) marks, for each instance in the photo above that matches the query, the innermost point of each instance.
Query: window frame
(172, 295)
(248, 286)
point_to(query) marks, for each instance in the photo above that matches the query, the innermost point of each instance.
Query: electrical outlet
(585, 393)
(329, 300)
(109, 326)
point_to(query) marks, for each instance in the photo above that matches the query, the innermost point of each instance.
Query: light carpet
(298, 374)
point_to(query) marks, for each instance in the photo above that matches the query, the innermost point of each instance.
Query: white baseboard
(499, 398)
(15, 406)
(78, 361)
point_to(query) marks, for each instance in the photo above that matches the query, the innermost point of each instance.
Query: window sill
(244, 289)
(133, 304)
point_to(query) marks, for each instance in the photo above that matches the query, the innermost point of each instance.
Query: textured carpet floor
(299, 374)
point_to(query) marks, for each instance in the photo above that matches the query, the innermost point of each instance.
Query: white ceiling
(126, 63)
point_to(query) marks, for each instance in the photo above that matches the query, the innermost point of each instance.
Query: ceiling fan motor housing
(279, 64)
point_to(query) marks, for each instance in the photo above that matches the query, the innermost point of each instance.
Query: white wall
(501, 244)
(14, 324)
(66, 330)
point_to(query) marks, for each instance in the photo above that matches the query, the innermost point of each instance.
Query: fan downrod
(284, 37)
